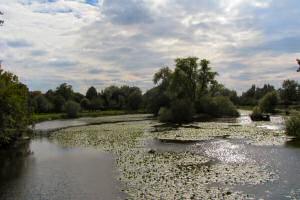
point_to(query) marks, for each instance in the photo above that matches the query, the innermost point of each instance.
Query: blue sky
(104, 42)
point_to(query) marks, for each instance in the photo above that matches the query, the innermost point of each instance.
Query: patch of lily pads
(150, 174)
(210, 130)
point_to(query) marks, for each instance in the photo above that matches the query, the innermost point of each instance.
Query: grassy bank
(53, 116)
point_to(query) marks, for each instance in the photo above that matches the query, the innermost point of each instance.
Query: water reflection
(55, 172)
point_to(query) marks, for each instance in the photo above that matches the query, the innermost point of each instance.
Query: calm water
(41, 169)
(44, 170)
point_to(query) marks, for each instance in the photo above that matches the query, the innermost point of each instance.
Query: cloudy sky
(104, 42)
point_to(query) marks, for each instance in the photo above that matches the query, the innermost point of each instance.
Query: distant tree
(96, 104)
(65, 91)
(289, 91)
(15, 114)
(78, 97)
(91, 93)
(72, 109)
(85, 103)
(43, 105)
(59, 103)
(268, 103)
(134, 100)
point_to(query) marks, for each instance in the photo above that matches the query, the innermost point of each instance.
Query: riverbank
(55, 116)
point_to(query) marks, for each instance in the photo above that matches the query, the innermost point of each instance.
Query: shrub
(257, 115)
(43, 105)
(72, 109)
(293, 126)
(268, 103)
(164, 114)
(15, 113)
(181, 110)
(216, 106)
(85, 103)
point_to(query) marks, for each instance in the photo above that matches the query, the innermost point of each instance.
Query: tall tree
(91, 93)
(15, 113)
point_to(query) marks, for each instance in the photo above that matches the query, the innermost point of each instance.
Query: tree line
(111, 98)
(180, 94)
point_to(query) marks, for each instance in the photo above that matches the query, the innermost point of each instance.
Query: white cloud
(65, 40)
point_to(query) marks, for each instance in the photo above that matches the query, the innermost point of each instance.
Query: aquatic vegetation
(151, 174)
(210, 130)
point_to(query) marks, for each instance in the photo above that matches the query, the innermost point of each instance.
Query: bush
(164, 114)
(72, 109)
(43, 105)
(268, 103)
(181, 110)
(15, 112)
(257, 115)
(85, 103)
(216, 106)
(293, 126)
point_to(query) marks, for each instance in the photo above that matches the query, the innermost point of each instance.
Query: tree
(85, 103)
(268, 103)
(43, 105)
(178, 91)
(134, 100)
(72, 109)
(15, 114)
(289, 91)
(65, 91)
(91, 93)
(59, 103)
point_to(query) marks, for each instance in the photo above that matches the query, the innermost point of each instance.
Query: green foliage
(85, 104)
(293, 126)
(181, 110)
(59, 103)
(268, 103)
(289, 92)
(72, 109)
(14, 108)
(134, 100)
(65, 91)
(91, 93)
(42, 104)
(219, 106)
(256, 114)
(96, 104)
(154, 99)
(164, 114)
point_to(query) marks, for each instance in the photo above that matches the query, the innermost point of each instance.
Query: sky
(116, 42)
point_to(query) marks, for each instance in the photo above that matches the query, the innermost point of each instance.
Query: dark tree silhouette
(1, 21)
(298, 61)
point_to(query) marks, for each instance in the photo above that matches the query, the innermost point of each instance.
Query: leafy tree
(268, 103)
(85, 103)
(154, 99)
(289, 91)
(43, 105)
(91, 93)
(134, 100)
(59, 103)
(293, 126)
(96, 104)
(65, 91)
(72, 109)
(15, 114)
